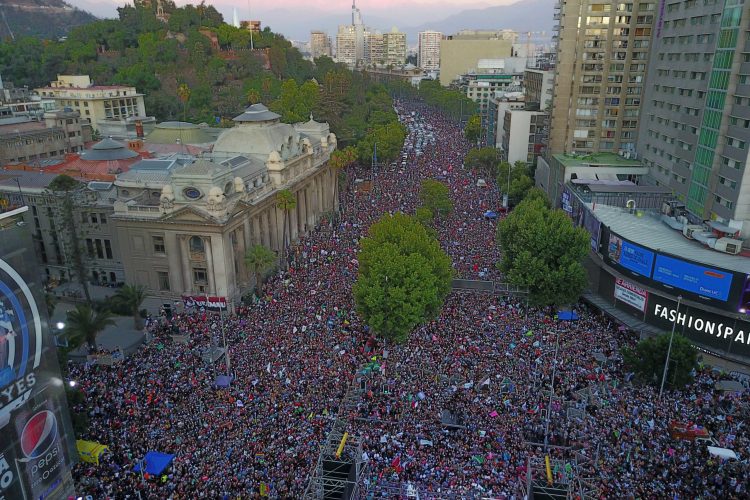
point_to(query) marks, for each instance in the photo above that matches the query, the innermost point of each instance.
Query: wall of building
(457, 57)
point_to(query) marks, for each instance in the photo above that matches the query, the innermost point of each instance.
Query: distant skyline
(397, 12)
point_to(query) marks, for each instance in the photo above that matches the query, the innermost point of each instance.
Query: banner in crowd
(37, 448)
(210, 303)
(632, 295)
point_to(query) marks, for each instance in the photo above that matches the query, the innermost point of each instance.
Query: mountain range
(522, 16)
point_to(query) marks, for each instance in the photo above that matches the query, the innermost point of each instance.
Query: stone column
(312, 215)
(187, 272)
(210, 281)
(264, 232)
(257, 239)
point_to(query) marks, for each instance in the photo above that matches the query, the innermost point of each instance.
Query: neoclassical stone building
(185, 225)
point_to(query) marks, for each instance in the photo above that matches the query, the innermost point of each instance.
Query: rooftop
(595, 160)
(257, 113)
(649, 231)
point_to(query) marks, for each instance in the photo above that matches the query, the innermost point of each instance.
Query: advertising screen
(630, 256)
(704, 281)
(744, 306)
(37, 448)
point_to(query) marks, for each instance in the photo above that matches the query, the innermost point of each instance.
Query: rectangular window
(99, 248)
(108, 249)
(200, 276)
(103, 218)
(163, 279)
(94, 218)
(159, 246)
(90, 247)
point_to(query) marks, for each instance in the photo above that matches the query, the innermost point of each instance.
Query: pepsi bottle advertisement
(37, 446)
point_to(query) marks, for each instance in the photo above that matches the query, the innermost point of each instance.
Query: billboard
(204, 301)
(630, 256)
(37, 448)
(630, 294)
(744, 305)
(703, 281)
(715, 332)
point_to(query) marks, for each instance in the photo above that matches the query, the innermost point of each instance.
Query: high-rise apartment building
(602, 54)
(395, 47)
(320, 44)
(695, 125)
(346, 45)
(375, 48)
(428, 51)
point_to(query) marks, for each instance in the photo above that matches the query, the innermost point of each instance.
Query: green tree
(84, 324)
(183, 93)
(404, 276)
(424, 215)
(253, 96)
(648, 357)
(435, 196)
(259, 260)
(544, 251)
(132, 296)
(286, 201)
(339, 160)
(486, 160)
(520, 180)
(389, 139)
(395, 294)
(65, 189)
(473, 128)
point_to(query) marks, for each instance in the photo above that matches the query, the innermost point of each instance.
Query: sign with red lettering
(205, 301)
(632, 295)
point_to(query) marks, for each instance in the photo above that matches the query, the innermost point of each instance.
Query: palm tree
(259, 260)
(133, 296)
(183, 92)
(83, 324)
(286, 201)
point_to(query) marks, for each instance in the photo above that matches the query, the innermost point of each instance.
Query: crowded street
(458, 411)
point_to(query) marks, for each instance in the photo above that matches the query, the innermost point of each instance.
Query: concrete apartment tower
(695, 124)
(428, 53)
(320, 44)
(602, 54)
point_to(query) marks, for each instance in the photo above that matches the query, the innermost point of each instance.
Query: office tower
(428, 52)
(320, 44)
(395, 47)
(460, 53)
(602, 53)
(695, 124)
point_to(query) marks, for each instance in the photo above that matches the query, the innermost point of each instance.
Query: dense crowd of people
(459, 409)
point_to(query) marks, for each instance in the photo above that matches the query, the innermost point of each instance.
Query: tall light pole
(551, 391)
(669, 349)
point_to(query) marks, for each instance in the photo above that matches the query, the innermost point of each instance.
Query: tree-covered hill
(50, 19)
(193, 66)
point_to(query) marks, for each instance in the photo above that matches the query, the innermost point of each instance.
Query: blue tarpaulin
(567, 315)
(155, 462)
(223, 381)
(490, 214)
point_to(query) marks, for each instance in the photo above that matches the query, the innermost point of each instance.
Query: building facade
(111, 109)
(186, 232)
(695, 124)
(375, 49)
(428, 50)
(521, 136)
(395, 47)
(346, 45)
(602, 55)
(320, 44)
(461, 52)
(60, 133)
(538, 85)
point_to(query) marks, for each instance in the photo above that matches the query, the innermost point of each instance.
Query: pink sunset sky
(405, 10)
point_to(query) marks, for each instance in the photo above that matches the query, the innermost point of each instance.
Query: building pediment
(189, 214)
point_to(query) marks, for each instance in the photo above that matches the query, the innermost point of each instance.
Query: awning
(723, 453)
(223, 381)
(90, 451)
(155, 462)
(567, 315)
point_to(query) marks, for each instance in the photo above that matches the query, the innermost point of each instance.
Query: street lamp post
(551, 392)
(669, 349)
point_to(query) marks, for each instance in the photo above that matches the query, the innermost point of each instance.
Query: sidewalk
(122, 334)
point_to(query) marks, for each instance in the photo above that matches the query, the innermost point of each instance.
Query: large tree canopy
(544, 251)
(404, 276)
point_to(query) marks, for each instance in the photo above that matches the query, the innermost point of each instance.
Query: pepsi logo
(39, 434)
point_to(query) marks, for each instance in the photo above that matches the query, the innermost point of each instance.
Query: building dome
(174, 131)
(257, 113)
(108, 150)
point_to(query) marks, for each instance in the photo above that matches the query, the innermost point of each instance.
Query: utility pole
(551, 391)
(669, 349)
